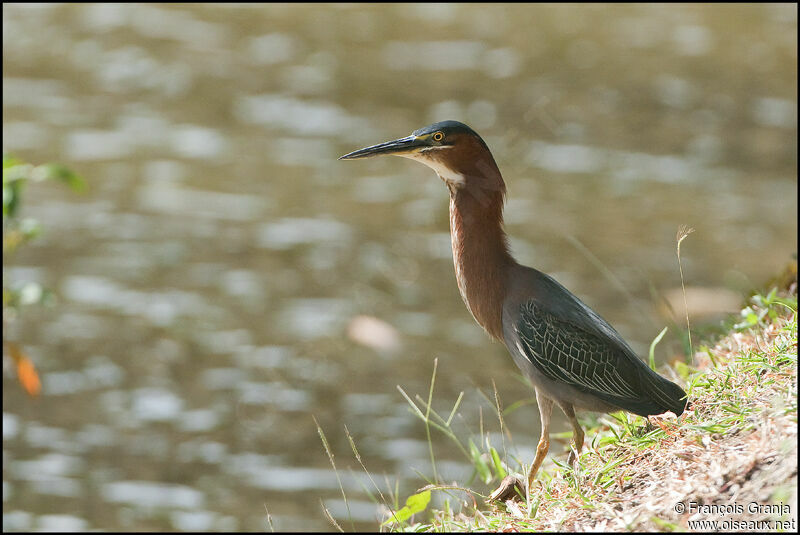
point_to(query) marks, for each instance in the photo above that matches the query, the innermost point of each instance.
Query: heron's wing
(570, 344)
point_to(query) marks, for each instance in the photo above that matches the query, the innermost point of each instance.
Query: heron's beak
(398, 147)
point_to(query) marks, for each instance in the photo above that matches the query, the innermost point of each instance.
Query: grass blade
(683, 232)
(653, 345)
(330, 517)
(358, 458)
(335, 471)
(455, 408)
(427, 419)
(269, 519)
(498, 465)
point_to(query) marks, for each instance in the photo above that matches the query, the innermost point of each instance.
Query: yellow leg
(577, 433)
(545, 409)
(508, 487)
(541, 453)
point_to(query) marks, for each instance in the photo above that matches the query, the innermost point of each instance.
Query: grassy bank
(734, 447)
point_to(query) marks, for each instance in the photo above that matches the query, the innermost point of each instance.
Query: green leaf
(11, 197)
(682, 370)
(478, 462)
(10, 161)
(750, 319)
(8, 199)
(414, 504)
(706, 350)
(653, 345)
(17, 172)
(498, 466)
(770, 298)
(54, 171)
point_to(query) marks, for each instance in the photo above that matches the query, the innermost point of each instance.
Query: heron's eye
(438, 136)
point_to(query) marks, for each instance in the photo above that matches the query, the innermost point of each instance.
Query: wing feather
(586, 360)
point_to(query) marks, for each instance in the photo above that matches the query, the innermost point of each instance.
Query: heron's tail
(666, 395)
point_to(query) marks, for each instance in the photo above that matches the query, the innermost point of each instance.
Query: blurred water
(225, 278)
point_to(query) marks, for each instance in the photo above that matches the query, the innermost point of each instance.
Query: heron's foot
(511, 488)
(575, 449)
(573, 458)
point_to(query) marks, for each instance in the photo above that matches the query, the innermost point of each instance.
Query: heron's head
(458, 155)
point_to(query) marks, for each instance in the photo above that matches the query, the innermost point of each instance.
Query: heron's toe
(572, 458)
(510, 488)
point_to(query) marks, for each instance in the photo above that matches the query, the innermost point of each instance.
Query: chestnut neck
(480, 252)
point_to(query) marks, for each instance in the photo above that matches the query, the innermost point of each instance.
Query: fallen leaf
(26, 371)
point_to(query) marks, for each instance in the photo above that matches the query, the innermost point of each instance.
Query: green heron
(573, 357)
